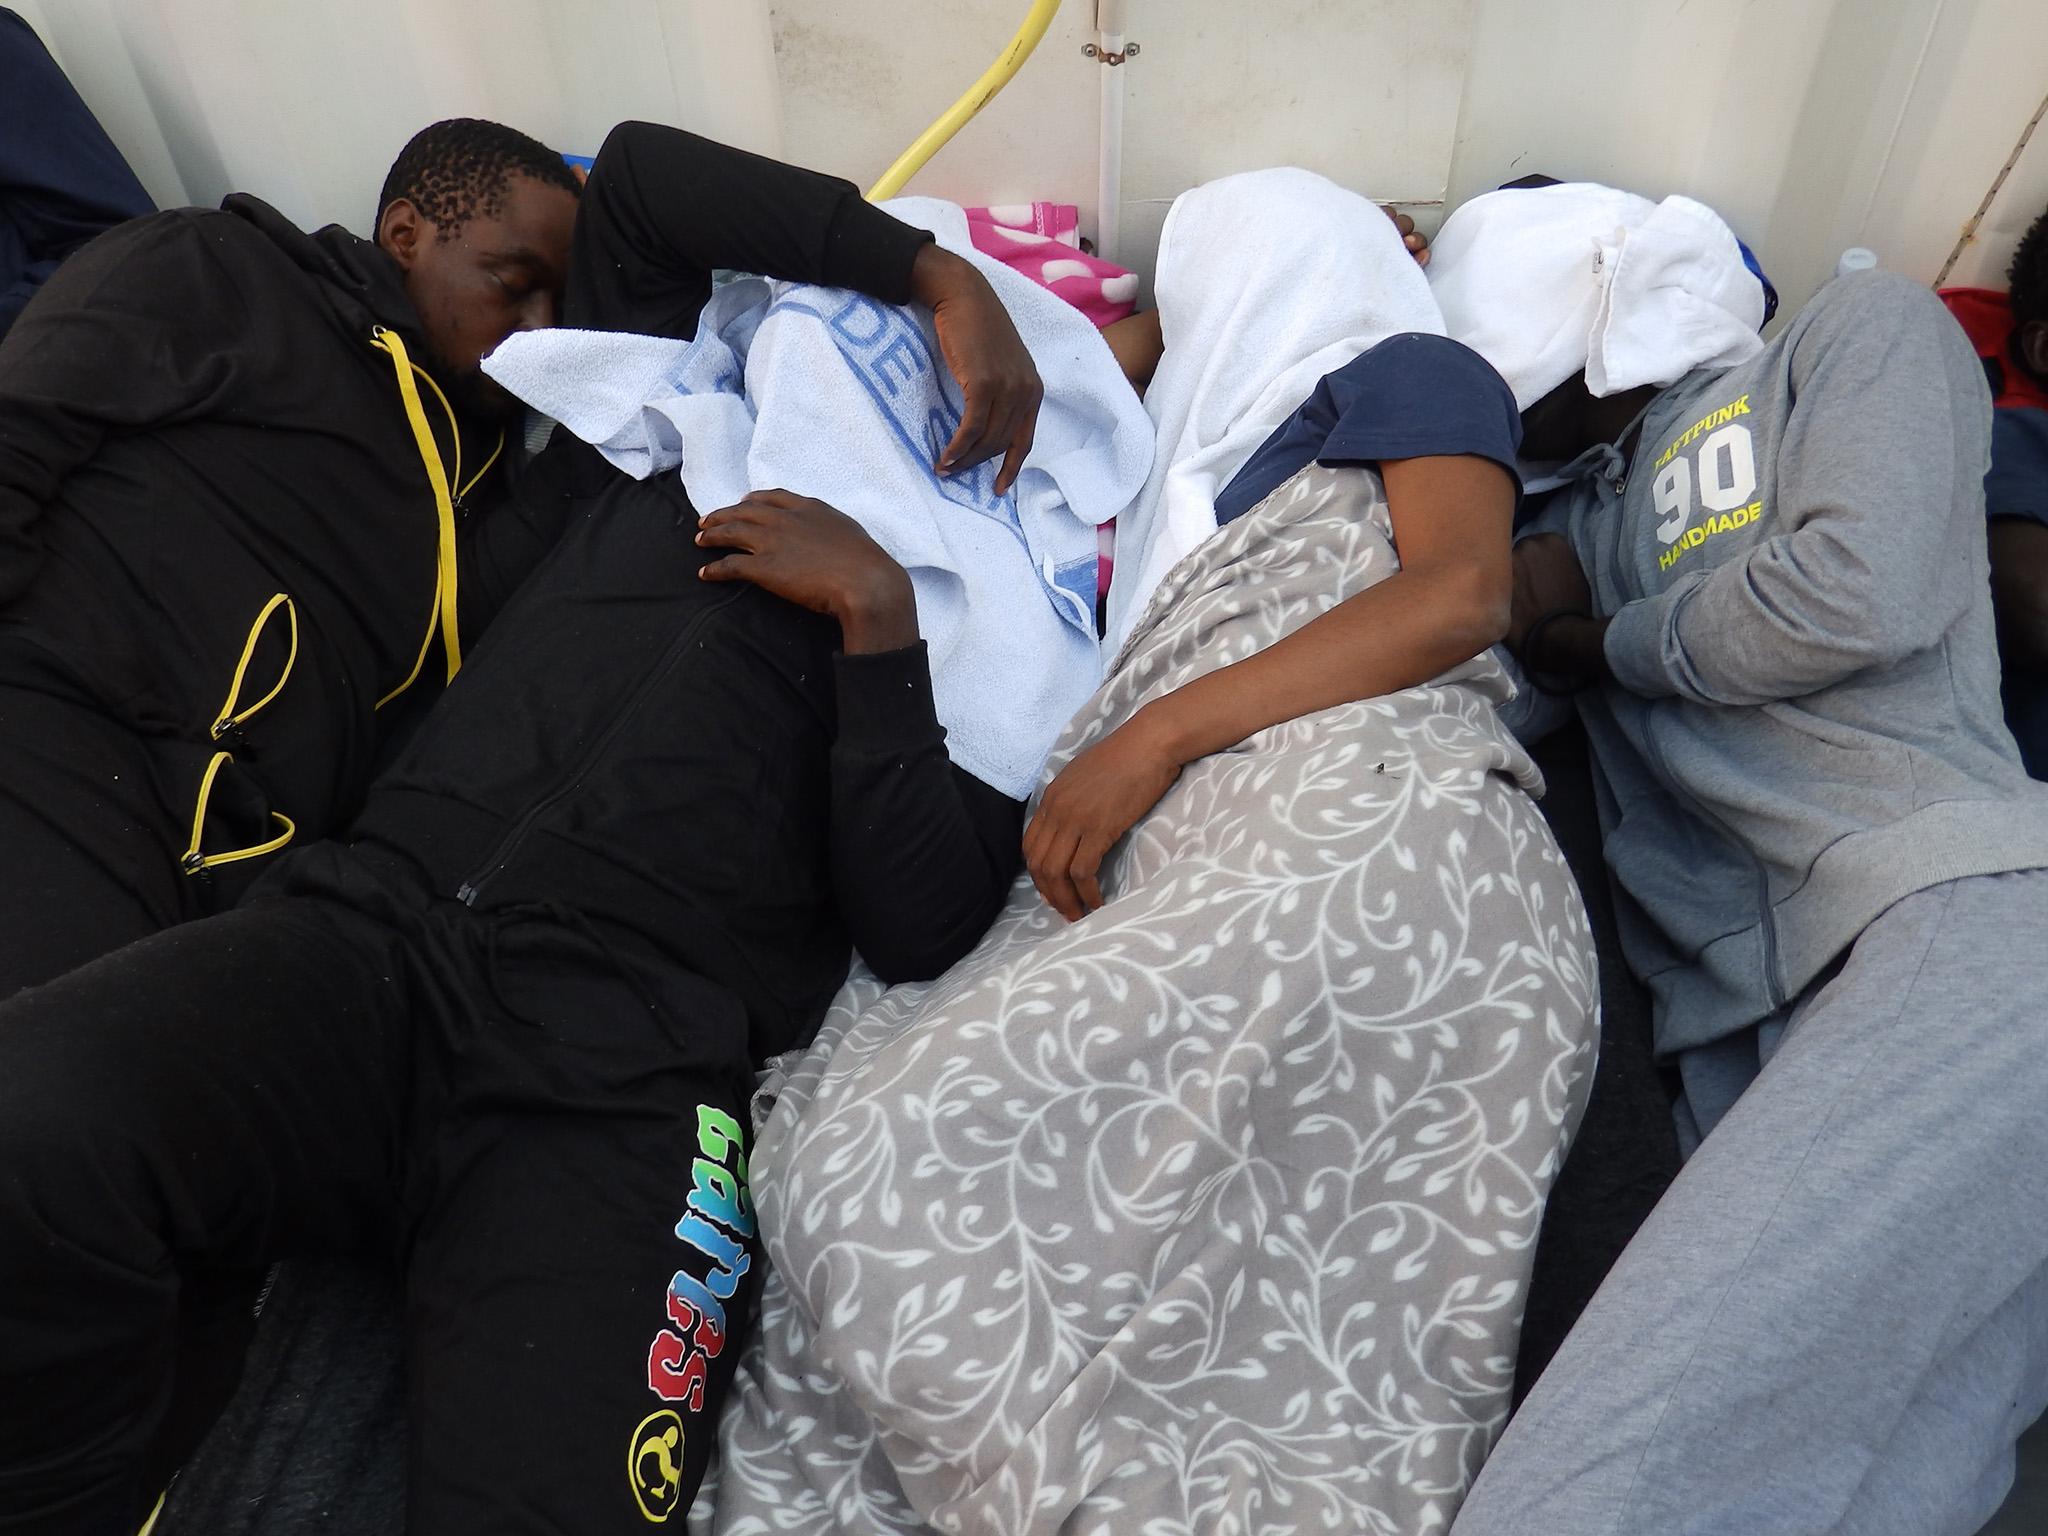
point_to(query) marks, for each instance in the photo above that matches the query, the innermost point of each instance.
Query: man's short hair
(457, 170)
(2028, 275)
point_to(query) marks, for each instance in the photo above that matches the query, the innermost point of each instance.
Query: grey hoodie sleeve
(1878, 501)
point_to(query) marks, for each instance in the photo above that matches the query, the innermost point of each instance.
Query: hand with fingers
(998, 382)
(1552, 629)
(1414, 239)
(1547, 580)
(818, 558)
(1089, 805)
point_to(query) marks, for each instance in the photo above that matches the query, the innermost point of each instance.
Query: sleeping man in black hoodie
(222, 537)
(509, 1023)
(249, 482)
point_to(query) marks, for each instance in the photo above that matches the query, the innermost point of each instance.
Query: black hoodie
(196, 424)
(193, 422)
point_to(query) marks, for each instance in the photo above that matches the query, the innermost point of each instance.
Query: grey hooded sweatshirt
(1804, 722)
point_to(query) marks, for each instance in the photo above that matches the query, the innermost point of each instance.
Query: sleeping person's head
(1588, 300)
(478, 218)
(2028, 279)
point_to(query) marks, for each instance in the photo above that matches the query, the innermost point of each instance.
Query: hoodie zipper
(1772, 986)
(1619, 473)
(507, 845)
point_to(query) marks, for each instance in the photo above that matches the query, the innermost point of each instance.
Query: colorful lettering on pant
(697, 1314)
(717, 1224)
(676, 1372)
(717, 1193)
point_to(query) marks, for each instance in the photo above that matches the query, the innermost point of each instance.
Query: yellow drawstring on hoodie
(194, 861)
(442, 617)
(232, 718)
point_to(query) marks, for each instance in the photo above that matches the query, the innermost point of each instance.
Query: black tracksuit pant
(549, 1124)
(85, 817)
(197, 422)
(511, 1027)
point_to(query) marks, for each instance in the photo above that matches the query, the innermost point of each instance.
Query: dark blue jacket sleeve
(923, 853)
(61, 179)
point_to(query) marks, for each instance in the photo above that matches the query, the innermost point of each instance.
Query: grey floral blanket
(1213, 1212)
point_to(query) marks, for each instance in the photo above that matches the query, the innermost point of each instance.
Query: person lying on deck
(511, 1023)
(1764, 587)
(252, 500)
(1210, 1180)
(247, 485)
(2010, 333)
(1418, 394)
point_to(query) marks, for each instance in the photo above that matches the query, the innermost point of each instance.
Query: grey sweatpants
(1837, 1318)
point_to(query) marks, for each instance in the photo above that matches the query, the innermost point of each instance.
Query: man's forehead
(532, 224)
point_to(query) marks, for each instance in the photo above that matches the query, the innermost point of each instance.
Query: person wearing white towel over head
(1302, 336)
(1764, 585)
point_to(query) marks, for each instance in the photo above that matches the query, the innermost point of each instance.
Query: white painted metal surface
(305, 102)
(1111, 54)
(1815, 125)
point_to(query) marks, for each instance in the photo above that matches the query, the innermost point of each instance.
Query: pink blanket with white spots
(1043, 241)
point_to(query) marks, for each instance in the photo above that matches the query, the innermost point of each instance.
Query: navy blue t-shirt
(1412, 396)
(2017, 486)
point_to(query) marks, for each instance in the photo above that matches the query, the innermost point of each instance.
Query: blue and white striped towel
(831, 394)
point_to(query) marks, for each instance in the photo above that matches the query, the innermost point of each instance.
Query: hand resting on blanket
(1448, 602)
(817, 557)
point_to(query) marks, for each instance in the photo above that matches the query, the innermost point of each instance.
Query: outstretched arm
(1448, 602)
(922, 852)
(663, 209)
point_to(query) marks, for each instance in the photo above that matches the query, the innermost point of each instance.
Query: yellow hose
(978, 95)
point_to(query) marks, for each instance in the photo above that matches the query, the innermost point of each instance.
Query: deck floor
(2026, 1511)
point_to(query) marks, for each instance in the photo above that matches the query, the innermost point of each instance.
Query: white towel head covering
(1266, 282)
(1546, 282)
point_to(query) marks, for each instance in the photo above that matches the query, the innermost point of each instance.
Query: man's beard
(476, 394)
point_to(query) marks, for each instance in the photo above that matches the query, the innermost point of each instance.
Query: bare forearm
(1408, 629)
(2019, 592)
(1137, 344)
(1448, 602)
